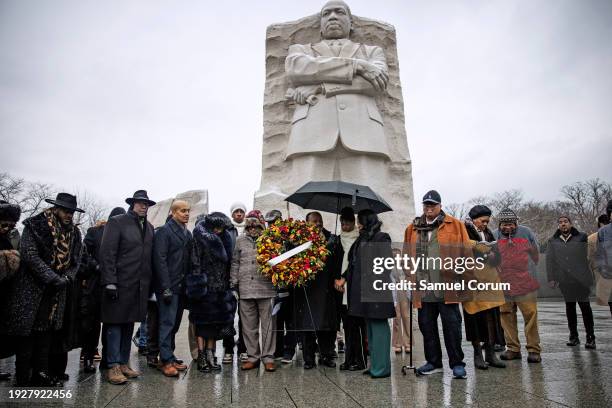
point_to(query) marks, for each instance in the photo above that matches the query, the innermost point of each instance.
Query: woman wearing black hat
(37, 300)
(212, 305)
(481, 313)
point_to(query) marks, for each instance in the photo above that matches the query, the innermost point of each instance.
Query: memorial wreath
(283, 236)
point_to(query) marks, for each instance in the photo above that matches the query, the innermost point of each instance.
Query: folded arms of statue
(336, 75)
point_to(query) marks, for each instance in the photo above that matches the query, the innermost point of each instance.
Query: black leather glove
(167, 296)
(110, 291)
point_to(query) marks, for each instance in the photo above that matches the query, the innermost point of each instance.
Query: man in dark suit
(171, 261)
(125, 256)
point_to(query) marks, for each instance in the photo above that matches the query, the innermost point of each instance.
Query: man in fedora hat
(37, 301)
(125, 257)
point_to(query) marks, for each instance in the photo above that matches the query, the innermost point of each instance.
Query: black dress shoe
(590, 343)
(345, 366)
(309, 365)
(88, 366)
(328, 362)
(573, 341)
(5, 376)
(153, 362)
(42, 379)
(366, 372)
(357, 367)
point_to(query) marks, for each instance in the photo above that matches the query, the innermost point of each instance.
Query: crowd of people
(59, 291)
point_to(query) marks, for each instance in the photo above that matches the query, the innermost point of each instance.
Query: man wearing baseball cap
(436, 234)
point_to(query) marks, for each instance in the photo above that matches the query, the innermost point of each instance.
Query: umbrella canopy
(333, 196)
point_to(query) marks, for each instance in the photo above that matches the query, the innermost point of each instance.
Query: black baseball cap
(432, 197)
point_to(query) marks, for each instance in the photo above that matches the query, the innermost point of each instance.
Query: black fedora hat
(140, 195)
(65, 200)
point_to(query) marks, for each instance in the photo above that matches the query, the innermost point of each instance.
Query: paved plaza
(567, 377)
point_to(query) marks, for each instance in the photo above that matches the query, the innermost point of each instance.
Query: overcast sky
(113, 96)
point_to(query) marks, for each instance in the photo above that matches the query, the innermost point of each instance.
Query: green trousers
(379, 346)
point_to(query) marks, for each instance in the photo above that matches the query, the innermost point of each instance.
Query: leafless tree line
(582, 201)
(31, 198)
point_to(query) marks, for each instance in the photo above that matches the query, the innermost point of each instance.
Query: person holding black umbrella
(354, 327)
(315, 306)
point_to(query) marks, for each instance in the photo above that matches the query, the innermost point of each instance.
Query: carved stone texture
(198, 199)
(278, 176)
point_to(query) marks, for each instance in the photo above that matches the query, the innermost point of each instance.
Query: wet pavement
(567, 377)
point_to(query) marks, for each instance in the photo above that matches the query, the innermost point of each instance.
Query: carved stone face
(335, 21)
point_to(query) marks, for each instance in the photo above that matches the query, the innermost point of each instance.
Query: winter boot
(210, 359)
(202, 363)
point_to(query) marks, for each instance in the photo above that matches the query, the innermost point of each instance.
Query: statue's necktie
(336, 47)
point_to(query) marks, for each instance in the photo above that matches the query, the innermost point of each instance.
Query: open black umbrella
(333, 196)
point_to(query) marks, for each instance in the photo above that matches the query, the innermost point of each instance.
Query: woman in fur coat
(9, 264)
(212, 305)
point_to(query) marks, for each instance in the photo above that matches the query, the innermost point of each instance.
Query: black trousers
(355, 338)
(587, 318)
(451, 327)
(285, 342)
(152, 329)
(91, 339)
(32, 356)
(325, 340)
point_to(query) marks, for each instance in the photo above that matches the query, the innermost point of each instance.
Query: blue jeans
(142, 335)
(170, 316)
(118, 343)
(451, 327)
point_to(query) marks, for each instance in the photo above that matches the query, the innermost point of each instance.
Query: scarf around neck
(62, 240)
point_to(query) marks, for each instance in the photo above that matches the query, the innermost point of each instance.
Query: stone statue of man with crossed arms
(337, 132)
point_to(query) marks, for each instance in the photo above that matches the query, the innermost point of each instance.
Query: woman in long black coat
(211, 303)
(376, 307)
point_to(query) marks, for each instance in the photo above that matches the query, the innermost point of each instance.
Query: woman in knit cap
(256, 294)
(481, 313)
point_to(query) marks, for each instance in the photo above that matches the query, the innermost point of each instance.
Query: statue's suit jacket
(347, 111)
